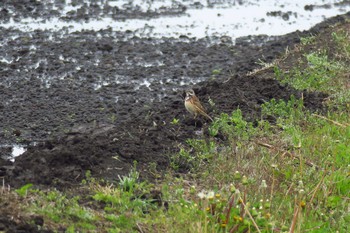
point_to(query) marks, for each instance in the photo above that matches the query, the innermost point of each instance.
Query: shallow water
(164, 19)
(15, 151)
(195, 18)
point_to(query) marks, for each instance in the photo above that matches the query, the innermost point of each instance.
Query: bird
(194, 106)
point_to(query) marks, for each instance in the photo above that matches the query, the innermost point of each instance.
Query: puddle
(10, 152)
(17, 150)
(199, 19)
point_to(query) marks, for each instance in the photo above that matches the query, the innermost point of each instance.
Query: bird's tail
(207, 116)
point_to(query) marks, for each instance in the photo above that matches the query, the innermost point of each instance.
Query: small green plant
(232, 126)
(127, 183)
(211, 102)
(307, 40)
(125, 203)
(283, 109)
(113, 118)
(321, 74)
(317, 75)
(175, 121)
(216, 72)
(23, 191)
(182, 159)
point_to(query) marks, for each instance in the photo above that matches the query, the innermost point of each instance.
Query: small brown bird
(194, 106)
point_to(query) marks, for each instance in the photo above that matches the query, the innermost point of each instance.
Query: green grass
(59, 209)
(292, 175)
(308, 40)
(318, 75)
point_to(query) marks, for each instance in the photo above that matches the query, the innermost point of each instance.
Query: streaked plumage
(194, 106)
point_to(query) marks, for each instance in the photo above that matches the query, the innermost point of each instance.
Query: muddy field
(101, 100)
(74, 99)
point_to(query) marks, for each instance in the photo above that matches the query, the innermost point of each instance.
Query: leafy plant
(128, 182)
(308, 40)
(232, 126)
(175, 121)
(23, 191)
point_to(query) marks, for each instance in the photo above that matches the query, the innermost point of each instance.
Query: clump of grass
(58, 209)
(23, 191)
(318, 72)
(342, 39)
(307, 40)
(125, 204)
(200, 151)
(233, 126)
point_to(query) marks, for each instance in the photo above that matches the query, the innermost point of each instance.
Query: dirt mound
(12, 226)
(110, 150)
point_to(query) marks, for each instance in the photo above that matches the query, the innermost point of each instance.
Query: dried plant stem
(228, 210)
(250, 216)
(334, 122)
(295, 218)
(139, 228)
(317, 187)
(272, 187)
(284, 152)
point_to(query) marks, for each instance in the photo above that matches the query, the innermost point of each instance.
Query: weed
(128, 183)
(113, 118)
(183, 159)
(322, 74)
(23, 191)
(342, 40)
(175, 121)
(307, 40)
(232, 126)
(216, 72)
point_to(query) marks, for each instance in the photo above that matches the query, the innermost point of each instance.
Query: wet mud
(100, 100)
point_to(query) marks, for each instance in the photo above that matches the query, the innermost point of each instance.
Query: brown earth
(69, 127)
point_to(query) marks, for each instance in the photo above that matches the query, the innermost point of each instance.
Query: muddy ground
(73, 100)
(61, 98)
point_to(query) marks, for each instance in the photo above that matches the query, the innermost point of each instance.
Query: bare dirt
(69, 126)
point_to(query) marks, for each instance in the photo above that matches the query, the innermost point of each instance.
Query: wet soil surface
(100, 100)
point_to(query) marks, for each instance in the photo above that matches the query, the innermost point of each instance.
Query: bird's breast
(189, 106)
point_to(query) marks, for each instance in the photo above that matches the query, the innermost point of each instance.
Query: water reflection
(199, 19)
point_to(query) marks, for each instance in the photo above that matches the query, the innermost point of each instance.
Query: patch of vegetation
(317, 72)
(342, 39)
(317, 76)
(307, 40)
(23, 191)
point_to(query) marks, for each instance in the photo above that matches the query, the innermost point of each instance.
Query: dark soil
(70, 126)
